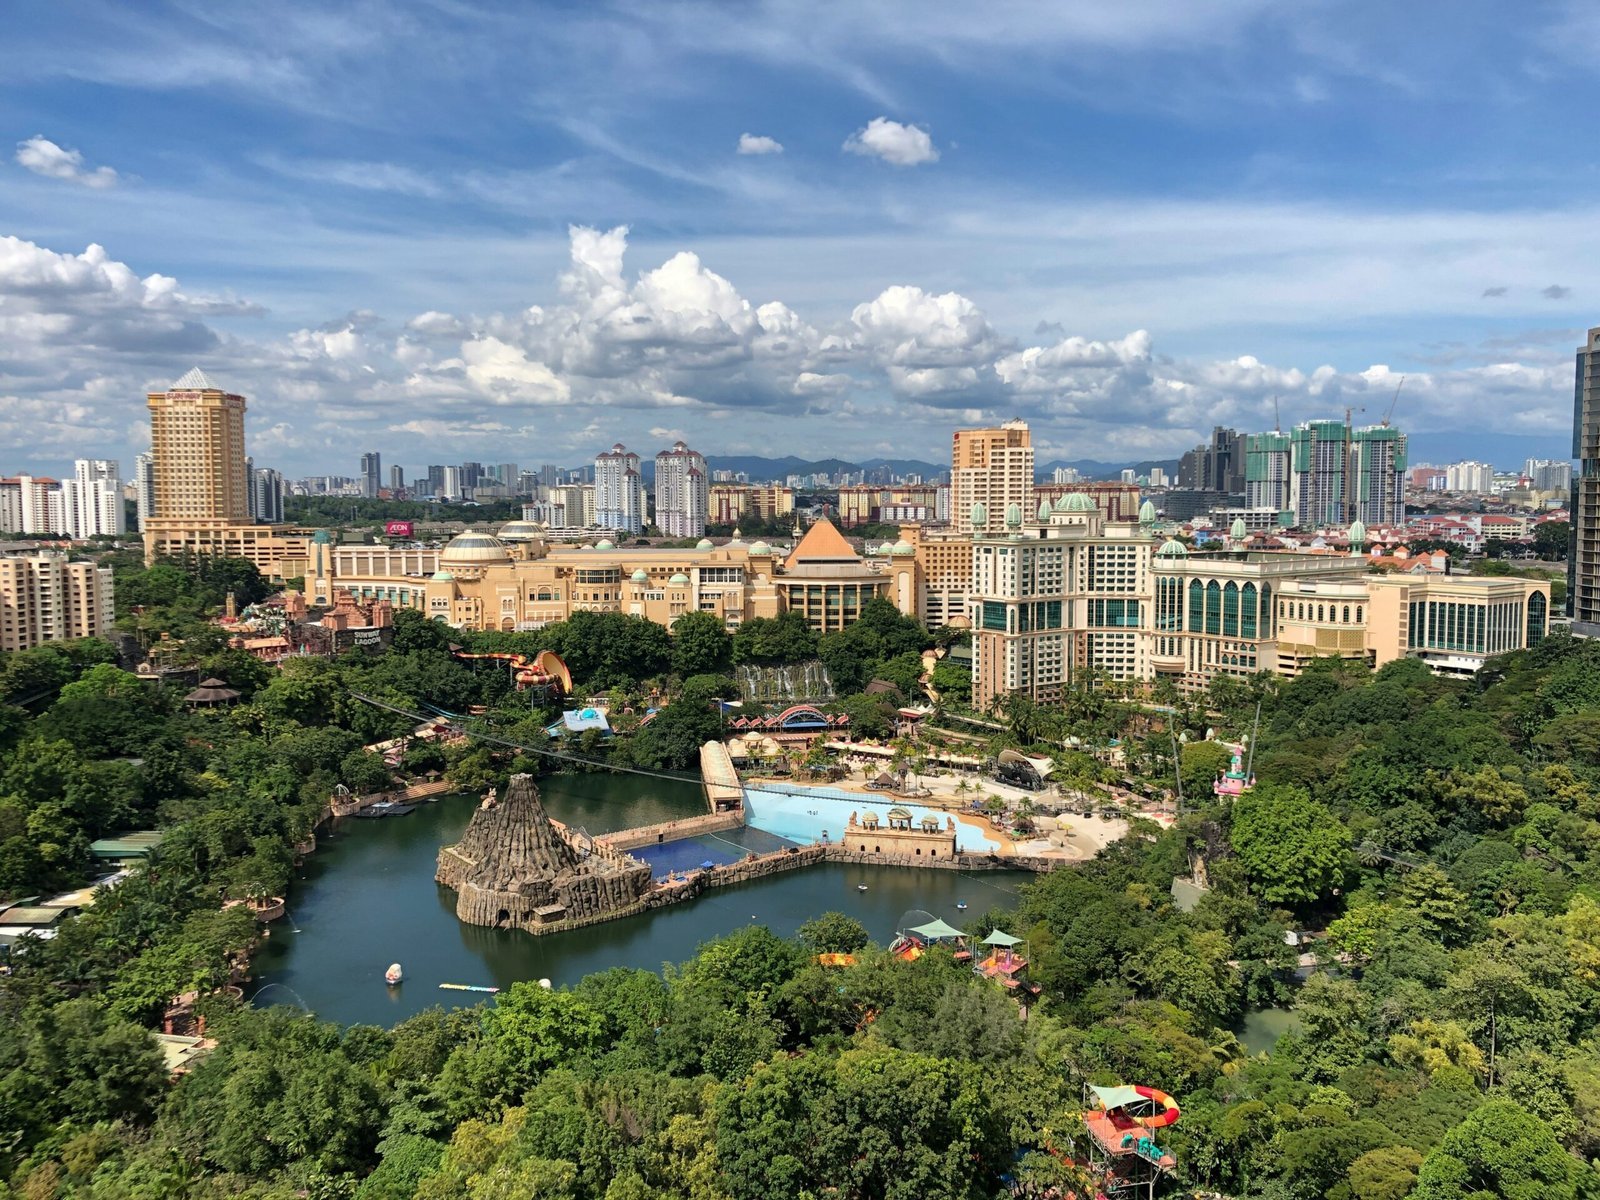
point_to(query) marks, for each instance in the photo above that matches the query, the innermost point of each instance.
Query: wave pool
(804, 814)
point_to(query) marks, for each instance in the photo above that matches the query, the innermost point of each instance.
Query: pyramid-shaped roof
(195, 380)
(822, 544)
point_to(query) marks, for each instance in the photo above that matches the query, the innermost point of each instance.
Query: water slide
(544, 669)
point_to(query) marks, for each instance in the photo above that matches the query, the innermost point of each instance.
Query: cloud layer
(85, 336)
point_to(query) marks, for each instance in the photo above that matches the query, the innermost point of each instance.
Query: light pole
(722, 719)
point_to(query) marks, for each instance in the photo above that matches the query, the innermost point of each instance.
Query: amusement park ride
(544, 670)
(1124, 1158)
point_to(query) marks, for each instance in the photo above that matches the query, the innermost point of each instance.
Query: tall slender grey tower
(1583, 553)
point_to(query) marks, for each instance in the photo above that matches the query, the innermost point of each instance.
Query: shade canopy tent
(1117, 1097)
(937, 930)
(997, 938)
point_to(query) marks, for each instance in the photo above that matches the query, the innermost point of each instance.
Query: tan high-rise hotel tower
(201, 487)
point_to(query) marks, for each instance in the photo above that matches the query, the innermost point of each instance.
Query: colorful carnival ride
(1122, 1121)
(543, 670)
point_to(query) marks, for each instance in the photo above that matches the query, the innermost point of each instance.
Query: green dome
(1013, 516)
(902, 547)
(1147, 513)
(1238, 532)
(1044, 509)
(605, 544)
(1061, 504)
(679, 580)
(1172, 548)
(1079, 503)
(1358, 533)
(703, 544)
(980, 516)
(443, 576)
(760, 548)
(641, 576)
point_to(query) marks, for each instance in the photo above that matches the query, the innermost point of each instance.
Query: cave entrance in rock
(502, 919)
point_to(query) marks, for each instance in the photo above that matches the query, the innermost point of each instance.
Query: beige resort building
(515, 580)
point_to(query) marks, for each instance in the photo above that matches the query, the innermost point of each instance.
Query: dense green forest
(1445, 1041)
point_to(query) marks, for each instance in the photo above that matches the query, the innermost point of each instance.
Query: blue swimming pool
(804, 814)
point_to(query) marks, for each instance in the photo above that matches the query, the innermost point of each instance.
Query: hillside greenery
(1441, 838)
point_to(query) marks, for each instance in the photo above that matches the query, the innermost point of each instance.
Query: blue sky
(455, 230)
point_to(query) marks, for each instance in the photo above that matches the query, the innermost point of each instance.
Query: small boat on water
(962, 905)
(861, 887)
(393, 975)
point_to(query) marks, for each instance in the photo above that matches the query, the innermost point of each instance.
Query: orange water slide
(543, 670)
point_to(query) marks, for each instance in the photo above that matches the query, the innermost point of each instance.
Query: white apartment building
(91, 500)
(619, 490)
(682, 492)
(32, 504)
(144, 488)
(1469, 477)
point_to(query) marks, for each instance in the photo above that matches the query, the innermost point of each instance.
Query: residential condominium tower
(990, 470)
(371, 474)
(682, 492)
(618, 490)
(92, 499)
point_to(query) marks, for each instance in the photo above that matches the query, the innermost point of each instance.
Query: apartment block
(46, 598)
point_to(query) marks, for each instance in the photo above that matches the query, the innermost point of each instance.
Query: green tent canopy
(997, 938)
(1117, 1097)
(933, 931)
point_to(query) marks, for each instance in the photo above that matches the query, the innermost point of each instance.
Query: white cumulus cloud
(43, 157)
(900, 145)
(756, 143)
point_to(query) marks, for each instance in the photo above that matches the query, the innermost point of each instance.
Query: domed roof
(704, 544)
(640, 576)
(1061, 504)
(605, 544)
(1044, 508)
(679, 580)
(1079, 503)
(443, 576)
(474, 550)
(321, 538)
(1013, 516)
(520, 531)
(1147, 513)
(1358, 532)
(760, 548)
(902, 547)
(1172, 548)
(1237, 531)
(979, 515)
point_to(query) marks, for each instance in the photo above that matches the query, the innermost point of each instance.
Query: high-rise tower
(991, 468)
(618, 490)
(201, 486)
(1583, 554)
(682, 492)
(371, 474)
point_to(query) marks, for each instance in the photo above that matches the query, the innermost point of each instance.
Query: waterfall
(786, 684)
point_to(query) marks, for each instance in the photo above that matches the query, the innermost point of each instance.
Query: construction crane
(1389, 416)
(1277, 420)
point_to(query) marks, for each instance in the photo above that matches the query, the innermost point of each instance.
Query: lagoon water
(367, 898)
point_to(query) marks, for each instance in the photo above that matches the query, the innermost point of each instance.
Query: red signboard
(399, 529)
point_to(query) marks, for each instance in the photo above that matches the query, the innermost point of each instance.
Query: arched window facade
(1213, 607)
(1230, 610)
(1247, 611)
